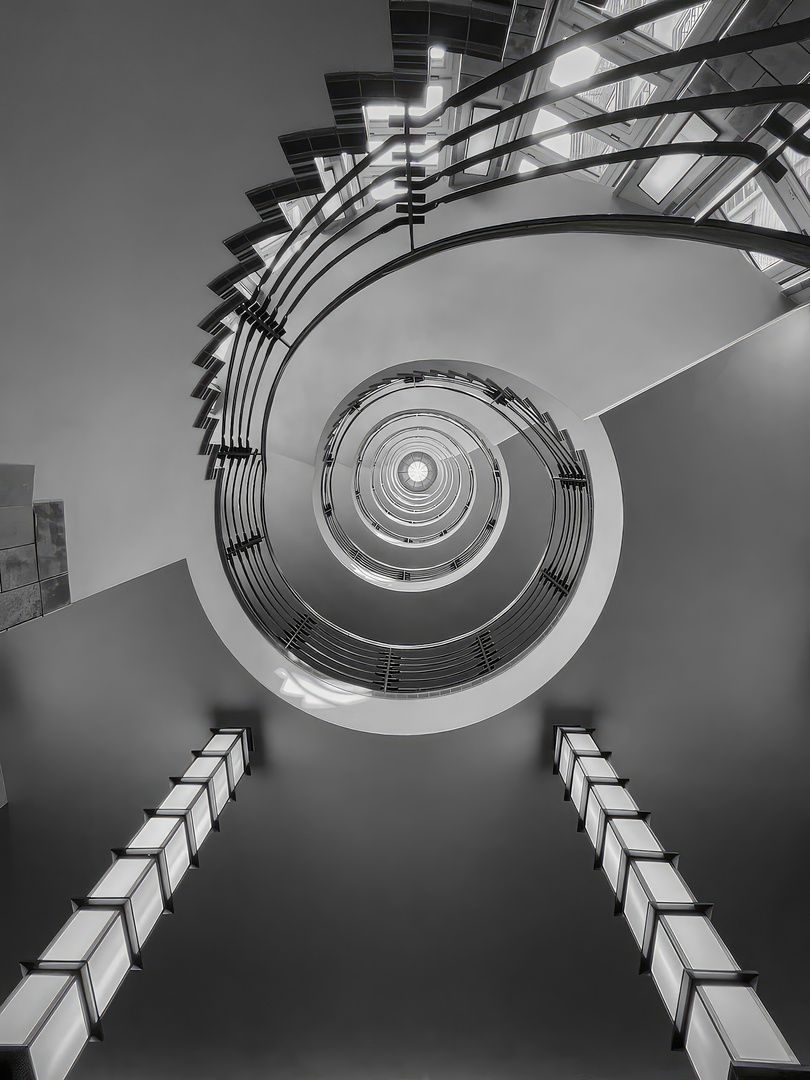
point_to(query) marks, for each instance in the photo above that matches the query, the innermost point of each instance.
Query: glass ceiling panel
(603, 96)
(751, 206)
(672, 31)
(800, 166)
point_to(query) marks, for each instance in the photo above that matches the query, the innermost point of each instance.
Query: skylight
(437, 53)
(800, 165)
(328, 177)
(671, 30)
(387, 190)
(667, 172)
(751, 206)
(292, 212)
(382, 112)
(574, 66)
(526, 165)
(483, 141)
(546, 120)
(434, 96)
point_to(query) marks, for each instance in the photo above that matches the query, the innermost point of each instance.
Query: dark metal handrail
(263, 327)
(433, 667)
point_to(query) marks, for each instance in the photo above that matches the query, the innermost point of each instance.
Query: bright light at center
(417, 471)
(573, 67)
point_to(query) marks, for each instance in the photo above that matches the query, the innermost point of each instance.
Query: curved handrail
(262, 321)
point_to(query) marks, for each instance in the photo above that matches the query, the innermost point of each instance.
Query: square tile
(16, 485)
(20, 605)
(51, 546)
(16, 526)
(55, 593)
(18, 566)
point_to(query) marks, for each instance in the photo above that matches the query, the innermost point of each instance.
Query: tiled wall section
(33, 553)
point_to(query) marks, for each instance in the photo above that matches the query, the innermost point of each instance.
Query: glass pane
(666, 174)
(181, 797)
(636, 835)
(153, 833)
(221, 744)
(574, 66)
(666, 969)
(593, 816)
(147, 904)
(705, 1048)
(177, 857)
(565, 762)
(79, 934)
(120, 879)
(546, 120)
(750, 206)
(598, 768)
(664, 882)
(582, 743)
(480, 143)
(222, 791)
(615, 797)
(748, 1027)
(201, 819)
(800, 165)
(109, 964)
(699, 942)
(237, 762)
(202, 767)
(26, 1004)
(60, 1042)
(636, 904)
(603, 97)
(611, 857)
(577, 786)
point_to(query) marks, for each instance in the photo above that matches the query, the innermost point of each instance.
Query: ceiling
(374, 907)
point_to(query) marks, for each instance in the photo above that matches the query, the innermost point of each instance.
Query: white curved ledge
(351, 707)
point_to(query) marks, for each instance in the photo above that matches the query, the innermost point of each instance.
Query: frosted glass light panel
(55, 1010)
(168, 836)
(215, 770)
(230, 745)
(621, 835)
(43, 1027)
(590, 768)
(651, 881)
(714, 1009)
(190, 801)
(96, 938)
(729, 1023)
(135, 882)
(605, 800)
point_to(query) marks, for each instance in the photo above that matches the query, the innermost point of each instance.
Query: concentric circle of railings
(430, 513)
(433, 667)
(255, 321)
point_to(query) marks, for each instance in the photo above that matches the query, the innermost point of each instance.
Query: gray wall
(423, 907)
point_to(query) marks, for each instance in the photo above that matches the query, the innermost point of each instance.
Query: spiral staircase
(450, 529)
